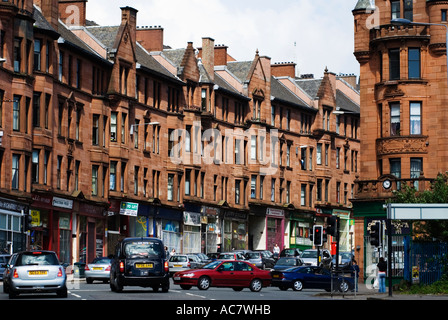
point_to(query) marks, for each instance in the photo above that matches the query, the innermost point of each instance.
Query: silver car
(181, 262)
(98, 269)
(36, 271)
(309, 257)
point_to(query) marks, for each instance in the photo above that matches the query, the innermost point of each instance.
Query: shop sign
(35, 218)
(275, 212)
(210, 211)
(192, 218)
(62, 203)
(129, 209)
(12, 206)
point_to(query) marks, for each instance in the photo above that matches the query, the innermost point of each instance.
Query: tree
(438, 193)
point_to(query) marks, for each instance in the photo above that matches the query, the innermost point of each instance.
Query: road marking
(195, 295)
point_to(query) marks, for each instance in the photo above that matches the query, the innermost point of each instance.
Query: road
(80, 290)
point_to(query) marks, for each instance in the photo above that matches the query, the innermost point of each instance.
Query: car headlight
(188, 275)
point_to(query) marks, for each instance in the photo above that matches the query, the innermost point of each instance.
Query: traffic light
(332, 225)
(26, 222)
(318, 235)
(375, 234)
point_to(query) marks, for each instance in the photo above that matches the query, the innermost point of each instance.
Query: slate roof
(223, 85)
(41, 23)
(107, 36)
(283, 94)
(310, 86)
(240, 69)
(346, 104)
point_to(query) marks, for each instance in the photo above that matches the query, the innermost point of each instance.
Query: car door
(243, 274)
(322, 278)
(224, 275)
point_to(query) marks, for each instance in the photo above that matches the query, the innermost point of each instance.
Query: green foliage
(438, 193)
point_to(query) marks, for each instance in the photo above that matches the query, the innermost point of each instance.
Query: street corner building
(107, 132)
(401, 47)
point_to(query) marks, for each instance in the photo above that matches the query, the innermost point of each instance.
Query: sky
(314, 34)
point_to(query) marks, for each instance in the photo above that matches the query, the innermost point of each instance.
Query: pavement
(365, 293)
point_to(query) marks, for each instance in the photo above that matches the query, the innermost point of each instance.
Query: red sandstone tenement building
(403, 92)
(107, 132)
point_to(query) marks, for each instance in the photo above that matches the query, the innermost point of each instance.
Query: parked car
(98, 269)
(203, 257)
(290, 252)
(181, 262)
(345, 260)
(260, 259)
(309, 257)
(36, 271)
(287, 262)
(8, 268)
(139, 262)
(310, 277)
(234, 274)
(231, 256)
(213, 256)
(4, 258)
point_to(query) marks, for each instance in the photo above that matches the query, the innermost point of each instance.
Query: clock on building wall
(387, 184)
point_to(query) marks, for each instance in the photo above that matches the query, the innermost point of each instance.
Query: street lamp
(407, 22)
(143, 124)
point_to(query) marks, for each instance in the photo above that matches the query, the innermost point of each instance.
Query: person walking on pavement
(355, 268)
(276, 251)
(382, 269)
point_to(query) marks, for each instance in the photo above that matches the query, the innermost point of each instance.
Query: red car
(233, 274)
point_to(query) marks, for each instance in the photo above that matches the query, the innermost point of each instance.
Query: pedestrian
(173, 252)
(382, 270)
(355, 269)
(167, 253)
(276, 251)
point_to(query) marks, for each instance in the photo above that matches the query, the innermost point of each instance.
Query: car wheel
(115, 284)
(297, 285)
(166, 286)
(204, 283)
(256, 285)
(343, 286)
(62, 293)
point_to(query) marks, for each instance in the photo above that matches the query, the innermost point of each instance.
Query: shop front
(211, 233)
(275, 228)
(52, 225)
(235, 227)
(12, 237)
(300, 228)
(191, 232)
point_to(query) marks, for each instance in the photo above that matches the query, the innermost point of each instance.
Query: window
(136, 179)
(395, 119)
(416, 118)
(36, 109)
(237, 191)
(122, 176)
(272, 189)
(395, 9)
(272, 115)
(16, 113)
(77, 167)
(15, 171)
(444, 15)
(136, 125)
(170, 187)
(253, 187)
(113, 126)
(416, 169)
(61, 65)
(319, 153)
(187, 182)
(288, 191)
(113, 176)
(95, 180)
(261, 187)
(394, 64)
(58, 172)
(303, 195)
(123, 127)
(2, 97)
(96, 130)
(204, 99)
(78, 73)
(35, 166)
(408, 10)
(395, 169)
(253, 148)
(37, 54)
(17, 54)
(237, 151)
(414, 63)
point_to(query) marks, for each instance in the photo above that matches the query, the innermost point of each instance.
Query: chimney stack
(208, 56)
(73, 12)
(129, 16)
(50, 10)
(151, 38)
(284, 69)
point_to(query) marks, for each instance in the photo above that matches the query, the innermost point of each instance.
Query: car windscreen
(253, 255)
(101, 261)
(212, 265)
(309, 254)
(287, 262)
(178, 259)
(37, 259)
(141, 249)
